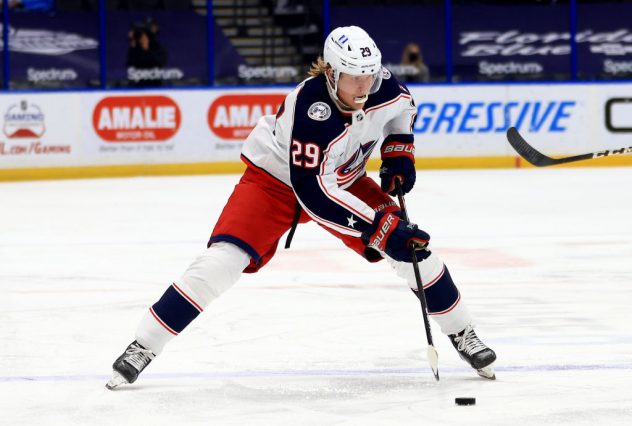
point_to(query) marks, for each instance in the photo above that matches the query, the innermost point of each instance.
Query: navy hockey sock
(175, 310)
(441, 293)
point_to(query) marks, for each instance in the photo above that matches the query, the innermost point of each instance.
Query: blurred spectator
(283, 7)
(76, 5)
(413, 61)
(30, 5)
(152, 4)
(12, 4)
(140, 4)
(146, 57)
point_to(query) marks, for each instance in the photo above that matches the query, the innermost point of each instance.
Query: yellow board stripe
(122, 171)
(426, 163)
(238, 167)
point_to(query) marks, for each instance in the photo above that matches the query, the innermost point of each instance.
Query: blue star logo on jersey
(367, 148)
(351, 221)
(363, 152)
(355, 165)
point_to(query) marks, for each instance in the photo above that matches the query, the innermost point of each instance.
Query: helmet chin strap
(333, 89)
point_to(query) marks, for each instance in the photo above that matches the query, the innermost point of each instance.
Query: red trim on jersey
(329, 146)
(327, 223)
(346, 114)
(183, 294)
(340, 202)
(458, 299)
(327, 193)
(169, 329)
(387, 103)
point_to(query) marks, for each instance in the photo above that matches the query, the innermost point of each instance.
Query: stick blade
(433, 359)
(526, 151)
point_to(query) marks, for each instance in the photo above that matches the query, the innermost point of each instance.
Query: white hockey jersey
(319, 150)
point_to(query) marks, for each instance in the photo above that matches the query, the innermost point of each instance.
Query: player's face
(353, 89)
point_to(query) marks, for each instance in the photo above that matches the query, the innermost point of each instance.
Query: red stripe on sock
(436, 279)
(458, 299)
(183, 294)
(169, 329)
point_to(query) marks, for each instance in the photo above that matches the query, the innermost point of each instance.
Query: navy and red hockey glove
(398, 161)
(393, 236)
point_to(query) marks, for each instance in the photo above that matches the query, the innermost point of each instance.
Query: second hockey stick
(433, 356)
(538, 159)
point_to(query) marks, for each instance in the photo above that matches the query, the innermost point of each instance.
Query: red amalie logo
(234, 116)
(136, 118)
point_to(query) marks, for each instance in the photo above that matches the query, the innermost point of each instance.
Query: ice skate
(129, 365)
(474, 352)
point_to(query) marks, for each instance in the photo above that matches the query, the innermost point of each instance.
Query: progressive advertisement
(180, 127)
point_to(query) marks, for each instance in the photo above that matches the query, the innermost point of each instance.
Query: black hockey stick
(538, 159)
(433, 356)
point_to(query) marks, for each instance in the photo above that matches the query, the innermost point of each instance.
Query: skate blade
(487, 373)
(116, 380)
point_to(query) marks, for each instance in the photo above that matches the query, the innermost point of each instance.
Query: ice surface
(543, 259)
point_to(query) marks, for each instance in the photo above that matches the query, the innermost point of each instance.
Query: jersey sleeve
(314, 151)
(400, 127)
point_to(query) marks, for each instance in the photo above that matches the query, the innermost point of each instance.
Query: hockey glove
(398, 161)
(392, 235)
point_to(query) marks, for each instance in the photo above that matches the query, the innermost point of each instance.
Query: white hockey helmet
(352, 51)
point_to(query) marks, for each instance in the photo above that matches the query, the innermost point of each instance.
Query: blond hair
(318, 67)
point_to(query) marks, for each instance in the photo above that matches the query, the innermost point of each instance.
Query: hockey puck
(465, 401)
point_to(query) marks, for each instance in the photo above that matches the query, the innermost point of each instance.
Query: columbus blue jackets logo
(319, 111)
(386, 74)
(355, 165)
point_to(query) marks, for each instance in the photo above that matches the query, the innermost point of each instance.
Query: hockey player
(305, 163)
